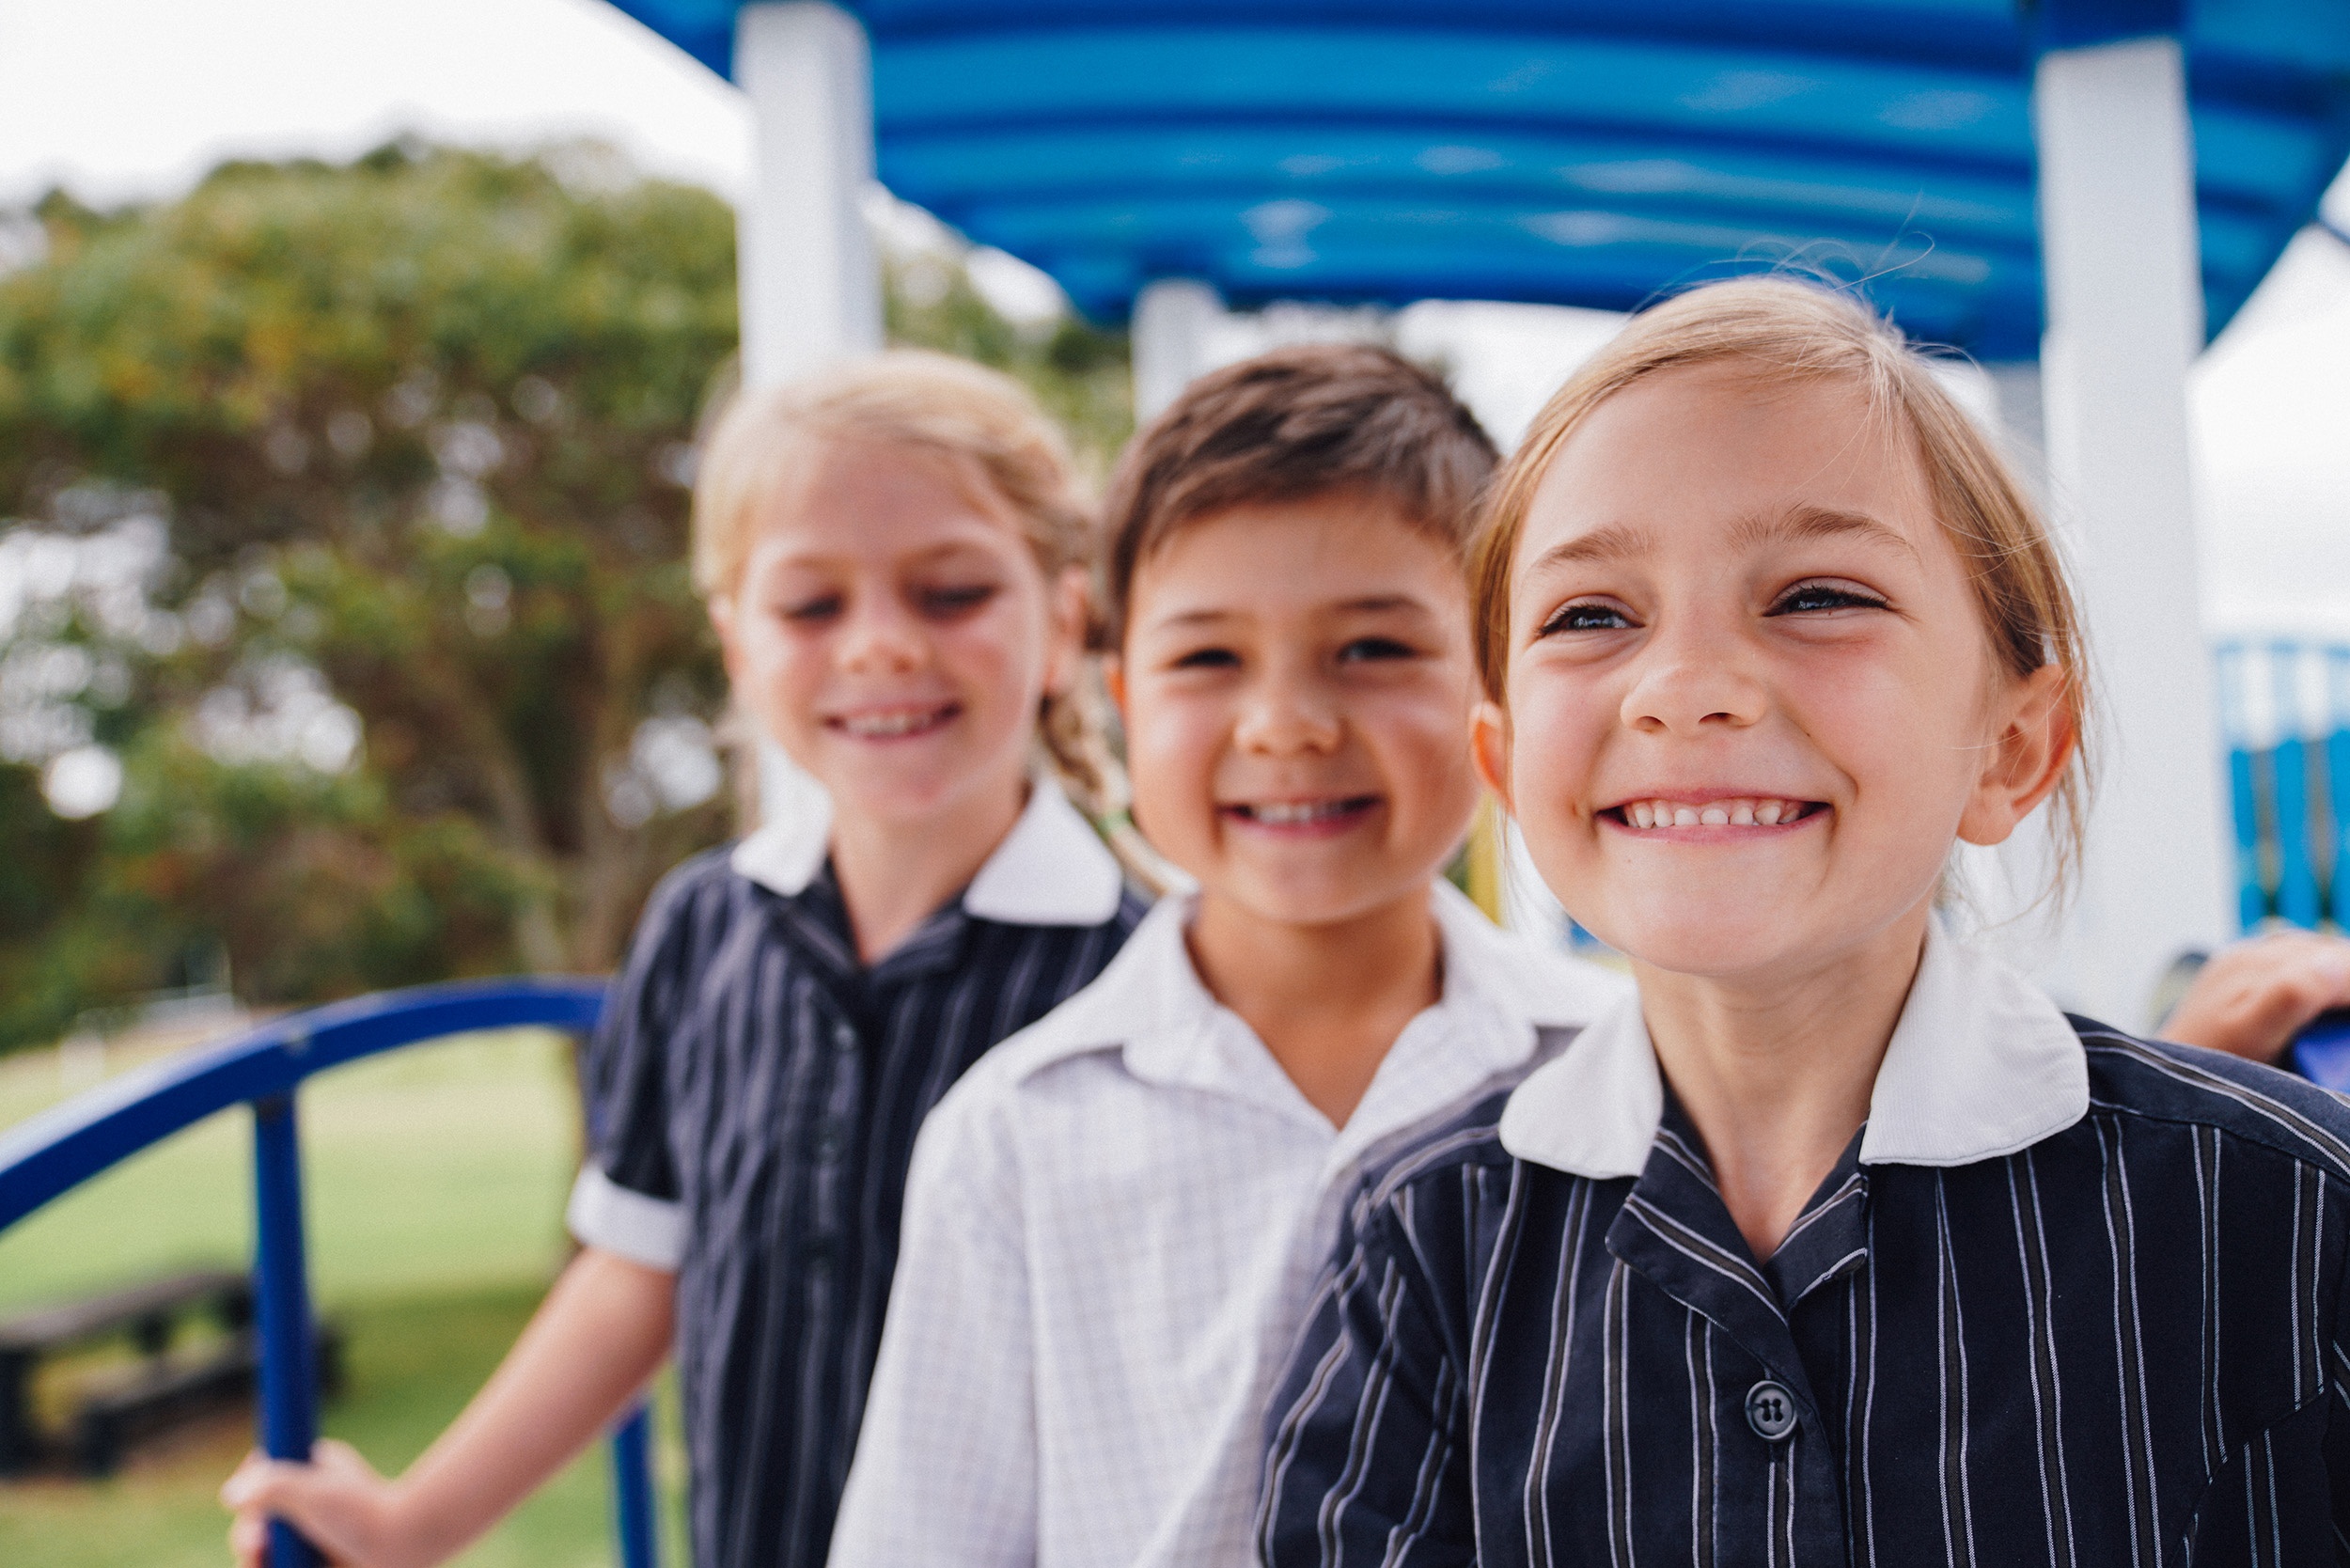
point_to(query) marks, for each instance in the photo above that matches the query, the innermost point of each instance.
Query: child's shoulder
(699, 892)
(712, 871)
(1097, 1021)
(2240, 1101)
(1463, 1148)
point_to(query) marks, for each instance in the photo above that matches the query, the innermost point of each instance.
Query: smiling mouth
(894, 724)
(1754, 811)
(1302, 814)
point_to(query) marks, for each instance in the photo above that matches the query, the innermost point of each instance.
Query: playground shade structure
(1566, 152)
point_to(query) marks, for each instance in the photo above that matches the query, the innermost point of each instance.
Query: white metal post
(2125, 317)
(810, 287)
(2015, 395)
(808, 282)
(1173, 321)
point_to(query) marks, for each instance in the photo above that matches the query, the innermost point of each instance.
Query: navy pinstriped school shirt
(754, 1093)
(2118, 1339)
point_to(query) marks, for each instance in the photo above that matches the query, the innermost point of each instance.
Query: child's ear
(1114, 680)
(2026, 758)
(721, 613)
(1071, 608)
(1489, 746)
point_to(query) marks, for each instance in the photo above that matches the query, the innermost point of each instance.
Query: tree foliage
(348, 506)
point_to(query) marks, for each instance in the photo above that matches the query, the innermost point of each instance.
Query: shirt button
(844, 1037)
(1770, 1410)
(829, 1144)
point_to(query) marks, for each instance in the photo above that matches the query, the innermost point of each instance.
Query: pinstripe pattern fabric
(753, 1074)
(2121, 1344)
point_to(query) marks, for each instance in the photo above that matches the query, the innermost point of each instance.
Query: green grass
(435, 1181)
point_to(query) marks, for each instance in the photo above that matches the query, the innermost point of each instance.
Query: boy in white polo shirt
(1113, 1223)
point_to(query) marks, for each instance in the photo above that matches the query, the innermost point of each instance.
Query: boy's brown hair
(1308, 420)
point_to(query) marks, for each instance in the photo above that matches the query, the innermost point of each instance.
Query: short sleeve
(626, 1200)
(946, 1474)
(1367, 1463)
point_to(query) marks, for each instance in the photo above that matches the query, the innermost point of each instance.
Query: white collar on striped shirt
(1051, 869)
(1981, 1064)
(1149, 1003)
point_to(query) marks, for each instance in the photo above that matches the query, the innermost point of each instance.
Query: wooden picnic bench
(114, 1406)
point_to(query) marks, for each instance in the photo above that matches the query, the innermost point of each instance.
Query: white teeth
(1286, 813)
(1719, 813)
(884, 726)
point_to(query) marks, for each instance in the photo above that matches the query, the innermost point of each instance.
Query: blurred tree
(350, 518)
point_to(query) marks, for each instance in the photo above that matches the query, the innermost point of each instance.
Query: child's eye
(1812, 598)
(809, 611)
(1374, 647)
(1206, 658)
(1586, 616)
(946, 603)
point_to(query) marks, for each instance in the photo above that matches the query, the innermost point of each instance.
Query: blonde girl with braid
(896, 558)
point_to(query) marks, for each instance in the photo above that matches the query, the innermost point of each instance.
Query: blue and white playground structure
(2076, 193)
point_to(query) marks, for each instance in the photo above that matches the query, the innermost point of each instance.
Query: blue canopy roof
(1582, 153)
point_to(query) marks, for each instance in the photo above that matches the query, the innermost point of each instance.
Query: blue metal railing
(54, 1152)
(2285, 708)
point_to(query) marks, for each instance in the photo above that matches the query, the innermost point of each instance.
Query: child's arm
(946, 1472)
(602, 1331)
(2254, 997)
(1365, 1463)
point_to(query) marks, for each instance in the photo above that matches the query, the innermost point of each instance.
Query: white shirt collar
(1051, 869)
(1981, 1064)
(1149, 1003)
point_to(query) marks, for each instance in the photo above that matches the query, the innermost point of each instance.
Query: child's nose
(880, 636)
(1284, 715)
(1686, 684)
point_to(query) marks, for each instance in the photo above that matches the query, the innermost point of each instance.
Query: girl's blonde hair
(939, 405)
(1779, 330)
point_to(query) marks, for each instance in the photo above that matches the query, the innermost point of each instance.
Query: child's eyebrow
(1806, 522)
(1801, 522)
(1612, 542)
(1381, 603)
(1193, 617)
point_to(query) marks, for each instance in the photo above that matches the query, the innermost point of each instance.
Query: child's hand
(2253, 997)
(336, 1500)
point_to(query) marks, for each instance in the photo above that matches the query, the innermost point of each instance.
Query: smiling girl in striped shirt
(1843, 1245)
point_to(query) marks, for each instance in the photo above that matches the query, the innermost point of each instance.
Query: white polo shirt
(1112, 1228)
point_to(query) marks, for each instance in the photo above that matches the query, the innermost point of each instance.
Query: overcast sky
(125, 99)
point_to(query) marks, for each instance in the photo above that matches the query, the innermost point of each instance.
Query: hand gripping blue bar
(54, 1152)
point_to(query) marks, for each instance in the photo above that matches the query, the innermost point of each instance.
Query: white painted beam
(810, 283)
(1175, 320)
(2016, 398)
(2125, 318)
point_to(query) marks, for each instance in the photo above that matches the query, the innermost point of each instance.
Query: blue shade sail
(1558, 151)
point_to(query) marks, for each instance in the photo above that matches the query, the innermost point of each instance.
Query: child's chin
(1707, 945)
(1300, 901)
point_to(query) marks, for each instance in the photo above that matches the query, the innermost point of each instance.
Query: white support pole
(2125, 317)
(2015, 394)
(809, 283)
(1173, 321)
